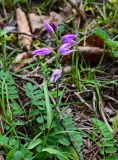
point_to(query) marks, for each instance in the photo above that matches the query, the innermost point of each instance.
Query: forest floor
(59, 80)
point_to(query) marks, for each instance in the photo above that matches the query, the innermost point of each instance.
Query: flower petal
(41, 51)
(69, 38)
(64, 48)
(48, 27)
(56, 75)
(68, 52)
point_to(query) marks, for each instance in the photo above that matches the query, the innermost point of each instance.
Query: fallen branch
(82, 100)
(93, 50)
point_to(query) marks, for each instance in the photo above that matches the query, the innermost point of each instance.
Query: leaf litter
(81, 102)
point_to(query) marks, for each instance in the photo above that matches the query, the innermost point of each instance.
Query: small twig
(94, 148)
(93, 50)
(111, 98)
(101, 109)
(4, 10)
(26, 78)
(95, 154)
(30, 35)
(94, 100)
(51, 60)
(2, 126)
(78, 9)
(82, 100)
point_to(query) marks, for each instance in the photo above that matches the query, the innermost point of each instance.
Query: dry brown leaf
(37, 22)
(66, 10)
(23, 27)
(1, 157)
(57, 17)
(21, 60)
(67, 69)
(93, 41)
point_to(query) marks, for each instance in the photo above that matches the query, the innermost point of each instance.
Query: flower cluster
(68, 41)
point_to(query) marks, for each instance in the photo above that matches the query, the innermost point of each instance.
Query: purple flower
(41, 51)
(48, 27)
(56, 75)
(65, 49)
(69, 38)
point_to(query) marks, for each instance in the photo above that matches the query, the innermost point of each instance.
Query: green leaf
(115, 54)
(113, 157)
(34, 143)
(77, 138)
(110, 150)
(102, 151)
(101, 33)
(110, 144)
(14, 155)
(40, 119)
(26, 153)
(35, 94)
(34, 112)
(61, 29)
(42, 156)
(64, 141)
(3, 140)
(19, 123)
(7, 86)
(48, 105)
(68, 122)
(56, 152)
(2, 33)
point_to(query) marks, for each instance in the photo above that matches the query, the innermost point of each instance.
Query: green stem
(4, 54)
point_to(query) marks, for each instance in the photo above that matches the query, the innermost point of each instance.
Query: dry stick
(95, 154)
(4, 10)
(26, 79)
(96, 147)
(94, 100)
(30, 35)
(93, 50)
(2, 126)
(62, 124)
(78, 9)
(82, 100)
(101, 109)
